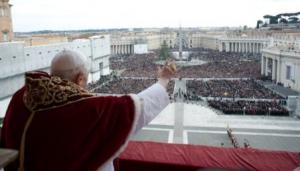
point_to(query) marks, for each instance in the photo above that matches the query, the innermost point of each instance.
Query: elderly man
(58, 125)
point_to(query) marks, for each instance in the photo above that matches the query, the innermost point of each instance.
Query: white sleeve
(154, 100)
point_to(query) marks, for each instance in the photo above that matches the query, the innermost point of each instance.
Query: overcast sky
(29, 15)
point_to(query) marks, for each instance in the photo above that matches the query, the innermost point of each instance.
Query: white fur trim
(138, 109)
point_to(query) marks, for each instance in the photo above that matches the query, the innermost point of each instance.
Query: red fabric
(77, 136)
(150, 156)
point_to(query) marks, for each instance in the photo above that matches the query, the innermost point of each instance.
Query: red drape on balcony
(148, 156)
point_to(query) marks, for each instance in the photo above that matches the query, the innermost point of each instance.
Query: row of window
(14, 57)
(40, 53)
(4, 12)
(5, 36)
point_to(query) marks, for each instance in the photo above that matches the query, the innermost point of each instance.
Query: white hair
(68, 63)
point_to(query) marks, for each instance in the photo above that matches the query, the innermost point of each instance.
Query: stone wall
(16, 59)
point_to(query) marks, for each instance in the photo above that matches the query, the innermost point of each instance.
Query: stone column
(241, 44)
(256, 47)
(273, 70)
(243, 47)
(248, 47)
(266, 66)
(276, 73)
(260, 47)
(227, 48)
(279, 70)
(132, 49)
(262, 68)
(235, 47)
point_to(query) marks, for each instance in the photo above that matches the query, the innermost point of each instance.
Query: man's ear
(79, 79)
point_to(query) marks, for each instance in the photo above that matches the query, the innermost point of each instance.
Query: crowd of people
(138, 65)
(214, 55)
(103, 79)
(139, 71)
(121, 85)
(222, 69)
(226, 65)
(230, 89)
(249, 107)
(124, 86)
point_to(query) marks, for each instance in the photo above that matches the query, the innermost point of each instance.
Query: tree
(283, 21)
(164, 51)
(273, 19)
(259, 22)
(293, 20)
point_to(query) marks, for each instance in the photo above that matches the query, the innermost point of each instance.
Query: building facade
(6, 28)
(122, 43)
(254, 41)
(282, 65)
(16, 59)
(243, 45)
(38, 40)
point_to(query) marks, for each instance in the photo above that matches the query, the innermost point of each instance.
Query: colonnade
(271, 67)
(242, 46)
(122, 49)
